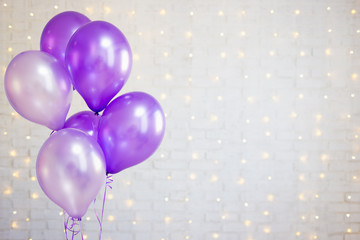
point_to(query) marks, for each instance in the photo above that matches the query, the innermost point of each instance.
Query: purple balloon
(70, 168)
(130, 130)
(39, 88)
(85, 121)
(99, 59)
(58, 31)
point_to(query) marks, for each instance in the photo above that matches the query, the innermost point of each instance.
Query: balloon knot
(97, 113)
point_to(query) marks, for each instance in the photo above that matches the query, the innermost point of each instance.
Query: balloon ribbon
(70, 224)
(109, 180)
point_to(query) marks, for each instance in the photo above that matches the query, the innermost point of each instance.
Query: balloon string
(109, 180)
(70, 224)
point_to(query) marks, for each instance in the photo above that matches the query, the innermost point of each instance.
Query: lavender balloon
(70, 168)
(39, 88)
(99, 59)
(58, 31)
(130, 130)
(85, 121)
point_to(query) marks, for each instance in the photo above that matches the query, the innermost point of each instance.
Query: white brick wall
(262, 142)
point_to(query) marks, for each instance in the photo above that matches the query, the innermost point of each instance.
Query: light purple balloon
(99, 60)
(58, 31)
(70, 168)
(85, 121)
(130, 130)
(39, 88)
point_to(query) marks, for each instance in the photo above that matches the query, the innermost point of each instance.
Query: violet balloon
(99, 59)
(58, 31)
(130, 130)
(39, 88)
(70, 168)
(85, 121)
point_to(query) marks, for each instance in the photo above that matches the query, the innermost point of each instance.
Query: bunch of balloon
(93, 58)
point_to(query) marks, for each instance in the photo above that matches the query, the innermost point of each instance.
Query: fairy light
(12, 153)
(215, 235)
(5, 5)
(296, 34)
(266, 213)
(297, 12)
(267, 230)
(241, 54)
(134, 222)
(270, 198)
(218, 199)
(14, 225)
(192, 176)
(247, 223)
(353, 11)
(272, 11)
(110, 196)
(240, 181)
(10, 49)
(163, 96)
(188, 34)
(191, 13)
(186, 199)
(297, 234)
(190, 221)
(221, 13)
(214, 118)
(328, 52)
(31, 14)
(34, 196)
(167, 219)
(162, 12)
(56, 6)
(275, 34)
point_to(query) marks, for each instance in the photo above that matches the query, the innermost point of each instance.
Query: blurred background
(262, 109)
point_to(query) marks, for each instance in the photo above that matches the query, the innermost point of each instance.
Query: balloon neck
(97, 113)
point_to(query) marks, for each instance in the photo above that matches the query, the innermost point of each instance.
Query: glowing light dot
(352, 95)
(293, 115)
(329, 30)
(10, 49)
(348, 215)
(191, 13)
(349, 197)
(353, 11)
(56, 6)
(244, 140)
(325, 97)
(218, 199)
(223, 55)
(301, 75)
(34, 196)
(301, 177)
(328, 51)
(221, 34)
(5, 4)
(28, 137)
(316, 195)
(317, 217)
(133, 222)
(187, 237)
(213, 118)
(33, 178)
(297, 12)
(167, 219)
(168, 76)
(219, 141)
(247, 223)
(354, 76)
(351, 52)
(266, 213)
(353, 157)
(268, 75)
(16, 174)
(298, 234)
(110, 196)
(221, 13)
(189, 138)
(129, 202)
(322, 175)
(268, 134)
(5, 133)
(187, 199)
(296, 35)
(318, 132)
(243, 161)
(88, 218)
(163, 96)
(272, 53)
(110, 218)
(301, 197)
(190, 55)
(162, 12)
(266, 119)
(14, 224)
(190, 221)
(188, 34)
(10, 27)
(246, 204)
(14, 212)
(241, 181)
(349, 230)
(267, 230)
(243, 34)
(275, 34)
(85, 237)
(31, 14)
(272, 11)
(192, 176)
(241, 54)
(29, 37)
(348, 115)
(303, 218)
(166, 199)
(162, 32)
(265, 155)
(219, 98)
(328, 8)
(302, 53)
(165, 54)
(215, 235)
(270, 198)
(269, 178)
(12, 153)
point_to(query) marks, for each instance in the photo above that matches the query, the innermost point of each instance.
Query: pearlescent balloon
(99, 59)
(58, 31)
(70, 168)
(130, 130)
(39, 88)
(85, 121)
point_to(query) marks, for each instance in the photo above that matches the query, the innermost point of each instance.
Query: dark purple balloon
(58, 31)
(99, 59)
(85, 121)
(130, 130)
